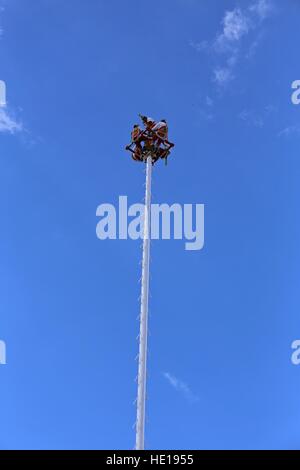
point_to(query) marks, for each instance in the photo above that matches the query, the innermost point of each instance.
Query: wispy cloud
(205, 110)
(199, 46)
(252, 118)
(262, 8)
(1, 11)
(236, 26)
(290, 131)
(258, 118)
(223, 75)
(254, 46)
(8, 123)
(181, 387)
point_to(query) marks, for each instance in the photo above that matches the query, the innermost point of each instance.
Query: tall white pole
(142, 372)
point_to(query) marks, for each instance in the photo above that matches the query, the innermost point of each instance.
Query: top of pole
(150, 138)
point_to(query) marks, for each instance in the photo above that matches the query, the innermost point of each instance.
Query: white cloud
(228, 46)
(8, 124)
(258, 118)
(262, 8)
(252, 118)
(205, 115)
(235, 25)
(181, 387)
(205, 111)
(253, 47)
(1, 11)
(199, 46)
(290, 130)
(223, 75)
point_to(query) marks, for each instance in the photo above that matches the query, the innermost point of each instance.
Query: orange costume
(135, 139)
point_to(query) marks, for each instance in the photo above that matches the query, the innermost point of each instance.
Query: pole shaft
(142, 372)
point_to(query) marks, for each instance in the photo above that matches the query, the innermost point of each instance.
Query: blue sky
(223, 318)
